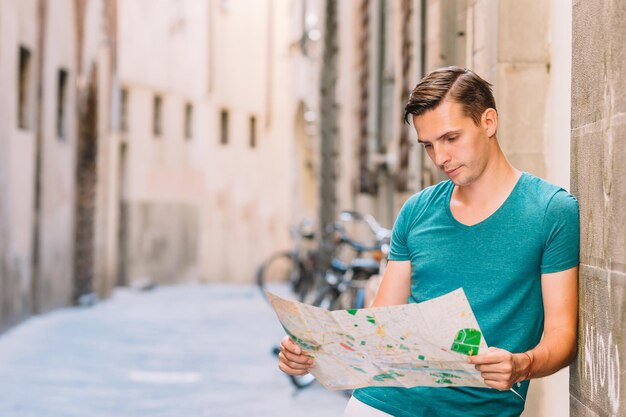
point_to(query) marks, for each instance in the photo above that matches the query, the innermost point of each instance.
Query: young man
(510, 239)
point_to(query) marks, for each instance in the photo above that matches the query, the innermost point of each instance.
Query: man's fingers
(493, 355)
(291, 371)
(499, 385)
(293, 364)
(290, 346)
(292, 360)
(494, 376)
(299, 359)
(499, 367)
(483, 359)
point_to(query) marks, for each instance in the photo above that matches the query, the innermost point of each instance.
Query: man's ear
(490, 121)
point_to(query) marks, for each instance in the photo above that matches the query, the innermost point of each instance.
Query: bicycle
(344, 284)
(299, 268)
(296, 266)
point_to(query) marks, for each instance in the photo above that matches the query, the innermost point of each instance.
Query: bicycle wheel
(281, 267)
(326, 297)
(351, 297)
(302, 282)
(302, 381)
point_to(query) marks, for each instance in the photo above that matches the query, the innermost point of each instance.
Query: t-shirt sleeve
(399, 250)
(562, 234)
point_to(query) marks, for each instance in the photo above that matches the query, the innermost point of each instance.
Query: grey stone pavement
(181, 351)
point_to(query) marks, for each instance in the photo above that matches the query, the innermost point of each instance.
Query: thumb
(292, 346)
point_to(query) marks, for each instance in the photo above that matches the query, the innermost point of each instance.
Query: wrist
(529, 358)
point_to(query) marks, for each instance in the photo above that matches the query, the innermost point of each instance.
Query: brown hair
(458, 84)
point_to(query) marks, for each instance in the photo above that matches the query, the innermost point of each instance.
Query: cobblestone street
(184, 351)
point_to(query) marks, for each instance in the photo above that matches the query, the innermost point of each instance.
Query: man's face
(453, 142)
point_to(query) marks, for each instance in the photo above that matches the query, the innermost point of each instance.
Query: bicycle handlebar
(380, 232)
(357, 246)
(304, 230)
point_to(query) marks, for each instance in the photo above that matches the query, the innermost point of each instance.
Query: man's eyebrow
(451, 132)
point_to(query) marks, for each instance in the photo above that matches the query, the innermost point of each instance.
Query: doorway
(86, 180)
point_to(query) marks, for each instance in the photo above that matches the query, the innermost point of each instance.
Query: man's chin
(461, 182)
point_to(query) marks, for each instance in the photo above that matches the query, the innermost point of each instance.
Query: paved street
(185, 351)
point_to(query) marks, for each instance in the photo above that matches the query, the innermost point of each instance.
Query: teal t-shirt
(499, 263)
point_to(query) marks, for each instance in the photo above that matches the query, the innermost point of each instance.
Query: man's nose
(441, 155)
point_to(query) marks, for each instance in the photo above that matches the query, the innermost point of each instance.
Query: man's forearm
(555, 351)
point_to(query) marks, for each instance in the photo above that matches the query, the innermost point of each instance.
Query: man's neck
(492, 187)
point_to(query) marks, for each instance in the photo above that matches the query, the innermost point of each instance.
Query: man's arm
(501, 369)
(557, 349)
(395, 287)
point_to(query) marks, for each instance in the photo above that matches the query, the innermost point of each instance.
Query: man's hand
(292, 360)
(500, 368)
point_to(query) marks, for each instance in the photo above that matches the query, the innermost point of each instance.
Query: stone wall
(598, 180)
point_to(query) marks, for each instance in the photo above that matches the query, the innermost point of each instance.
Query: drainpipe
(35, 252)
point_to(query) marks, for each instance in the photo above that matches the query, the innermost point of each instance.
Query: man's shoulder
(432, 192)
(546, 192)
(415, 205)
(547, 197)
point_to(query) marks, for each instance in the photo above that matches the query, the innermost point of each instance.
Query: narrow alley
(180, 351)
(185, 144)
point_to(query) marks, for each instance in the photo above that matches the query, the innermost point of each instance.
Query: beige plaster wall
(55, 274)
(166, 56)
(227, 55)
(26, 290)
(250, 198)
(17, 157)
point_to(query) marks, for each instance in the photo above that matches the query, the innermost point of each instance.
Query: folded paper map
(423, 344)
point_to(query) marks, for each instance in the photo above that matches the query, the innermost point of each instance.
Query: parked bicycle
(345, 283)
(296, 266)
(342, 285)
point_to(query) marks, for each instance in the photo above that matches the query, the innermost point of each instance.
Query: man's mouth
(451, 171)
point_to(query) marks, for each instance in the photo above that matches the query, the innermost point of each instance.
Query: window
(157, 128)
(61, 106)
(188, 121)
(24, 88)
(252, 132)
(124, 110)
(224, 127)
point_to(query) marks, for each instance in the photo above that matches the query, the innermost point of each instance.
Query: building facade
(37, 148)
(155, 153)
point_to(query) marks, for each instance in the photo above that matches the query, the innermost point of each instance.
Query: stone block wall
(599, 182)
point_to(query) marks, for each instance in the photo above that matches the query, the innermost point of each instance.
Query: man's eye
(427, 145)
(452, 138)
